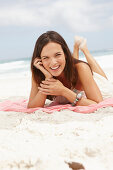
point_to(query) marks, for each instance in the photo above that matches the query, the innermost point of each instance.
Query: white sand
(42, 141)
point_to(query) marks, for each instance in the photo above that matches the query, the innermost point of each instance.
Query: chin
(57, 75)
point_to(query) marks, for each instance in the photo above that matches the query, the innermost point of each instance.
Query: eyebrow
(44, 56)
(58, 52)
(55, 53)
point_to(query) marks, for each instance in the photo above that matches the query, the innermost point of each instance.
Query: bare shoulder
(83, 68)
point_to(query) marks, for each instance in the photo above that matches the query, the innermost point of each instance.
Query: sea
(10, 67)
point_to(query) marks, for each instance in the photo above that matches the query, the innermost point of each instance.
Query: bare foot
(77, 43)
(83, 45)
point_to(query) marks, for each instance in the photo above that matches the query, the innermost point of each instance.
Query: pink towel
(21, 106)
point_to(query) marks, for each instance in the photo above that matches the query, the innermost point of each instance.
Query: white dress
(105, 86)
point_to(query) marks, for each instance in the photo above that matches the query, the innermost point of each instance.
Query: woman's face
(53, 58)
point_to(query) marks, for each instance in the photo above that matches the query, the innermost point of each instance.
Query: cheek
(45, 64)
(63, 61)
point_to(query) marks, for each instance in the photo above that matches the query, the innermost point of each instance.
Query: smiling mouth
(55, 68)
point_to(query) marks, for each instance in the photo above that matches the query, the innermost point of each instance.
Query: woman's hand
(52, 87)
(38, 64)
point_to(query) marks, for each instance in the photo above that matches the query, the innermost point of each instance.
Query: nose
(53, 61)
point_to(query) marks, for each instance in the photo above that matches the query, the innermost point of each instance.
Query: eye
(58, 54)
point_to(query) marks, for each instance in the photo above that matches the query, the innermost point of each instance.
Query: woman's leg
(91, 61)
(78, 41)
(76, 51)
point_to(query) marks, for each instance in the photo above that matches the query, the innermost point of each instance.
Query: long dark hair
(70, 71)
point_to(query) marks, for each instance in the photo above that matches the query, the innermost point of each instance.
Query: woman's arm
(36, 98)
(71, 96)
(90, 87)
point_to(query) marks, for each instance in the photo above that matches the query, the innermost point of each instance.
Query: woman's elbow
(30, 105)
(100, 99)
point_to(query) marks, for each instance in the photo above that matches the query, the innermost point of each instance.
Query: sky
(23, 21)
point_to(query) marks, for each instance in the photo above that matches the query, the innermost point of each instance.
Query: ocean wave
(21, 66)
(15, 65)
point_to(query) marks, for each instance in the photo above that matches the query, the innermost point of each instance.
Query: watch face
(79, 95)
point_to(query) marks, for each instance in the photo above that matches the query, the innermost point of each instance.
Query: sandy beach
(47, 141)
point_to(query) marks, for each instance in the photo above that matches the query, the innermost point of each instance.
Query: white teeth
(54, 68)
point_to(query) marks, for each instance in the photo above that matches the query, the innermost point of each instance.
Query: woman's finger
(38, 65)
(47, 82)
(45, 93)
(44, 90)
(52, 80)
(36, 61)
(45, 86)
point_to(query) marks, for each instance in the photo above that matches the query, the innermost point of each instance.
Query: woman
(56, 73)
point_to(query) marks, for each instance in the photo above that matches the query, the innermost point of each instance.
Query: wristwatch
(78, 97)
